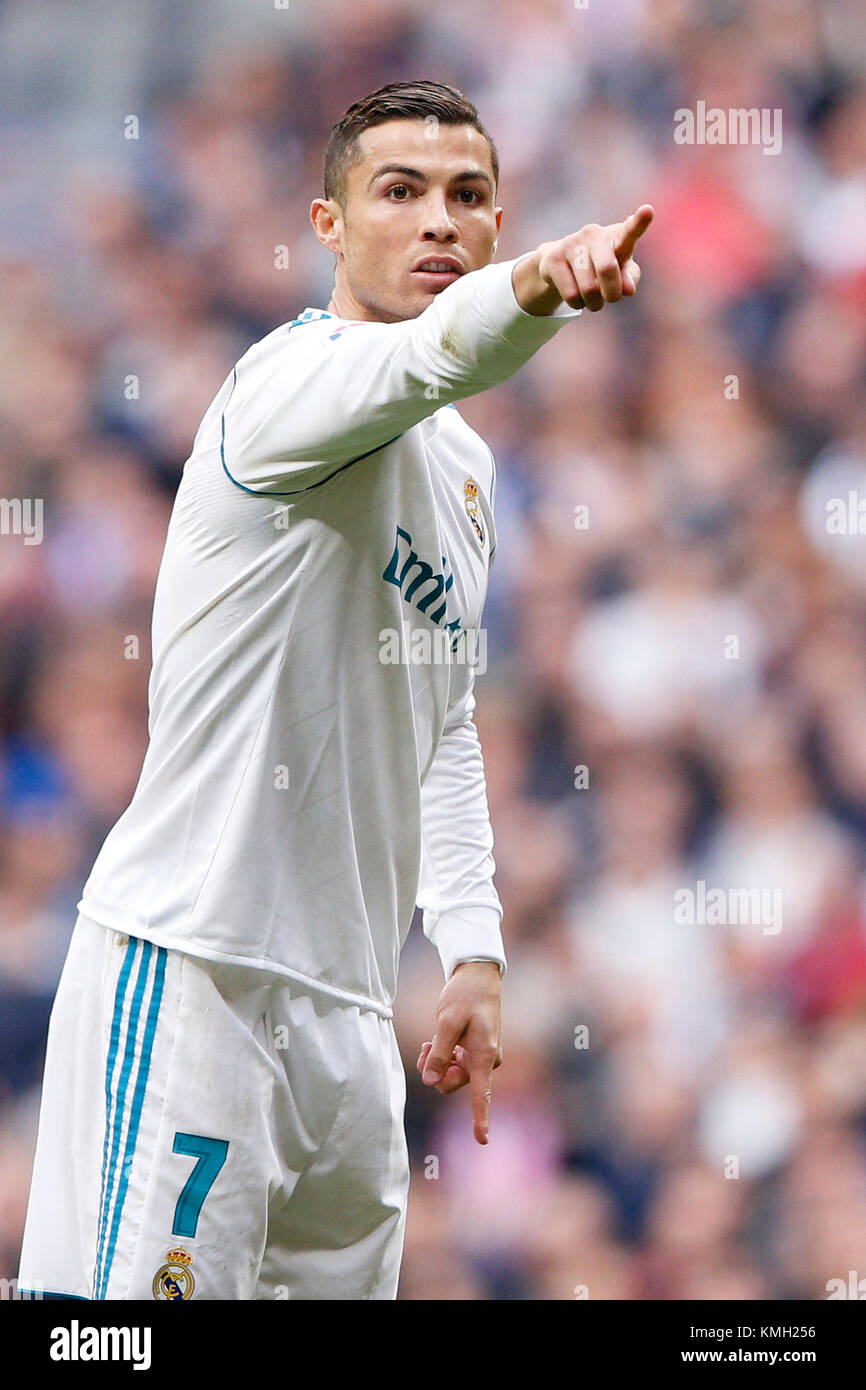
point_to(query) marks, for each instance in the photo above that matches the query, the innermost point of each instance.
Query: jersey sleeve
(461, 910)
(316, 396)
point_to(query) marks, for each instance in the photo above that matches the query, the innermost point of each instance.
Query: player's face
(422, 193)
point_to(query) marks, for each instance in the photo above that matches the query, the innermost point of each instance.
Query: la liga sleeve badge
(473, 509)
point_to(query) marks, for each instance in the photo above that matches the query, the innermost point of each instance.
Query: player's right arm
(309, 398)
(315, 396)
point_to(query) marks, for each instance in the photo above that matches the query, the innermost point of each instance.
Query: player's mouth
(438, 271)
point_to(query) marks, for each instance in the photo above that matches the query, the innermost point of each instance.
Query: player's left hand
(466, 1047)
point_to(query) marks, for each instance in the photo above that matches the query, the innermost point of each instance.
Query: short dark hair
(394, 102)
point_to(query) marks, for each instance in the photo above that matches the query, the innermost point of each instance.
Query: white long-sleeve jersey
(313, 769)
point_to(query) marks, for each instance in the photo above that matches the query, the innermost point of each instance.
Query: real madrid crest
(175, 1279)
(473, 510)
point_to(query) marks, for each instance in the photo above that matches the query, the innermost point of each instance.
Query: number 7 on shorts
(211, 1155)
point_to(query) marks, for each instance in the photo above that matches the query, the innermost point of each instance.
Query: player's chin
(421, 293)
(419, 302)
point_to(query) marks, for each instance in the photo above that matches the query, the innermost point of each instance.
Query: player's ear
(326, 215)
(498, 215)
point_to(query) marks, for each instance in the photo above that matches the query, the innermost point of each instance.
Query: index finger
(480, 1081)
(633, 228)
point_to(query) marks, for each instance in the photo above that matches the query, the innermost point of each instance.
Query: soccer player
(222, 1107)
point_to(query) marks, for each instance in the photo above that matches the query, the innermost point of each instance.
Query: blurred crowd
(676, 690)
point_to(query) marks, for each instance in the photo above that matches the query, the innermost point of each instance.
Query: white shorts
(211, 1131)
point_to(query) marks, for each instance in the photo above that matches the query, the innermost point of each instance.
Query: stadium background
(704, 428)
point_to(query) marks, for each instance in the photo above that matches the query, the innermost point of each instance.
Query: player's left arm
(466, 1047)
(462, 915)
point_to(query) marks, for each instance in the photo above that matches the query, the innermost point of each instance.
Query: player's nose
(438, 223)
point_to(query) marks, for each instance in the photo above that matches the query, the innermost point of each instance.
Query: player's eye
(472, 195)
(398, 188)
